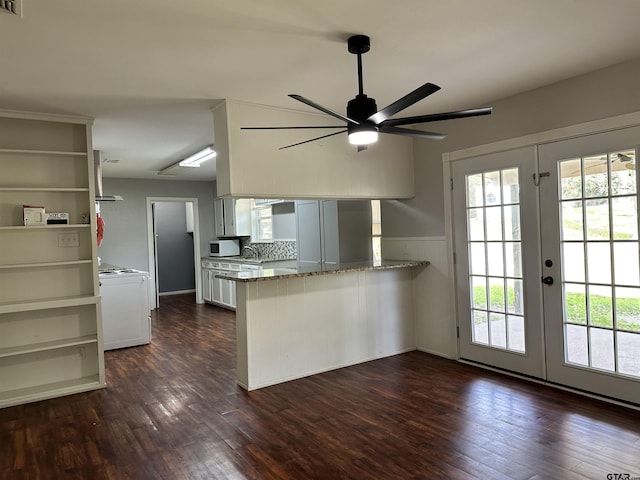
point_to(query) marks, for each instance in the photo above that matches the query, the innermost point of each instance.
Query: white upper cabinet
(333, 231)
(232, 217)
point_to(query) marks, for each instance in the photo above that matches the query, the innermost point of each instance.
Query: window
(262, 230)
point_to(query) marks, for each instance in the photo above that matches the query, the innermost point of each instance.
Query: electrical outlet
(68, 239)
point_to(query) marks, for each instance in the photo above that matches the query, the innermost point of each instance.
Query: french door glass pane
(628, 309)
(625, 254)
(516, 333)
(495, 259)
(575, 303)
(573, 258)
(600, 261)
(625, 218)
(478, 261)
(628, 347)
(572, 221)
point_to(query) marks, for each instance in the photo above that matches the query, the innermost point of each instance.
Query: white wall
(435, 326)
(125, 239)
(601, 94)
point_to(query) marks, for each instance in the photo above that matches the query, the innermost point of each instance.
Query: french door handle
(547, 280)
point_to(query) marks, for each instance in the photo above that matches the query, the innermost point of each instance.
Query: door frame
(153, 284)
(533, 140)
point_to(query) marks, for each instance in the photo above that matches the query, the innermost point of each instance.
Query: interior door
(497, 261)
(590, 248)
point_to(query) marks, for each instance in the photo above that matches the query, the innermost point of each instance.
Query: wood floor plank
(172, 410)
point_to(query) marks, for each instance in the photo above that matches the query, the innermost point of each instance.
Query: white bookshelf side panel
(24, 329)
(40, 369)
(46, 282)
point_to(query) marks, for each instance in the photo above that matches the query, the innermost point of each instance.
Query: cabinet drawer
(246, 267)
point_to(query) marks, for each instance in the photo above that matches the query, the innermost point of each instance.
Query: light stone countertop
(249, 260)
(308, 271)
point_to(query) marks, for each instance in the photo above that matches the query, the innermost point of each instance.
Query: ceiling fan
(364, 120)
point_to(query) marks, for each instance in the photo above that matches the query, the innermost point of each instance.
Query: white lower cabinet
(206, 285)
(219, 291)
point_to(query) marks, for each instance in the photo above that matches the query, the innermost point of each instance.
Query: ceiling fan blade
(411, 133)
(406, 101)
(289, 128)
(322, 109)
(312, 140)
(475, 112)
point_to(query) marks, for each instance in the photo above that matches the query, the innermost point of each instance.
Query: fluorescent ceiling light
(197, 158)
(194, 160)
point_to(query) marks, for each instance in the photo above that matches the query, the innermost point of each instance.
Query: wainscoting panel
(436, 327)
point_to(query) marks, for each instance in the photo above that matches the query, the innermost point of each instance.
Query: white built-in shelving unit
(50, 313)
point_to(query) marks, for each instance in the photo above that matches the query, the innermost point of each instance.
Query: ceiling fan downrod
(359, 44)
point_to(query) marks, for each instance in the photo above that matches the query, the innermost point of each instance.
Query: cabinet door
(330, 235)
(229, 216)
(206, 285)
(228, 292)
(216, 287)
(218, 211)
(308, 232)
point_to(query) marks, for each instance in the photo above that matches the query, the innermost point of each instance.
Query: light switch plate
(68, 239)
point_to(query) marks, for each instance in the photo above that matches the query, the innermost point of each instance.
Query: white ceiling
(149, 71)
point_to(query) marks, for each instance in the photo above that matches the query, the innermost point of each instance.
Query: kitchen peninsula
(295, 322)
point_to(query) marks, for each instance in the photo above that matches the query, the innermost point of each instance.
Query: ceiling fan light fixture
(364, 120)
(198, 158)
(363, 137)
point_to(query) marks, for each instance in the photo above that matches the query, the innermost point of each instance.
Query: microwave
(224, 248)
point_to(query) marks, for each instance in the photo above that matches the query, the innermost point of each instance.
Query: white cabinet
(232, 217)
(219, 291)
(50, 313)
(308, 232)
(333, 231)
(207, 295)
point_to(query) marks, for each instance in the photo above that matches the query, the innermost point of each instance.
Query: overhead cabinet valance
(250, 164)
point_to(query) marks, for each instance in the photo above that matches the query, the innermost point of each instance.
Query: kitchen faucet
(252, 250)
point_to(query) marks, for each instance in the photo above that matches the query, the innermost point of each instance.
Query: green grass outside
(627, 317)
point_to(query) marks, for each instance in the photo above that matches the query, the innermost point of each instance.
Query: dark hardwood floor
(172, 410)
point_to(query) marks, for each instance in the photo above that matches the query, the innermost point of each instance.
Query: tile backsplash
(278, 250)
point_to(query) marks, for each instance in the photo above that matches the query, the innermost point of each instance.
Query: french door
(590, 234)
(548, 268)
(497, 257)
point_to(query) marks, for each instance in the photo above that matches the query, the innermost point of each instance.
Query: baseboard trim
(584, 393)
(437, 354)
(177, 292)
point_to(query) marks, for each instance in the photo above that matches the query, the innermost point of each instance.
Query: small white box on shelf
(57, 218)
(34, 215)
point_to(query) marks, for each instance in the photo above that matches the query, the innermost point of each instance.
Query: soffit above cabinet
(250, 163)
